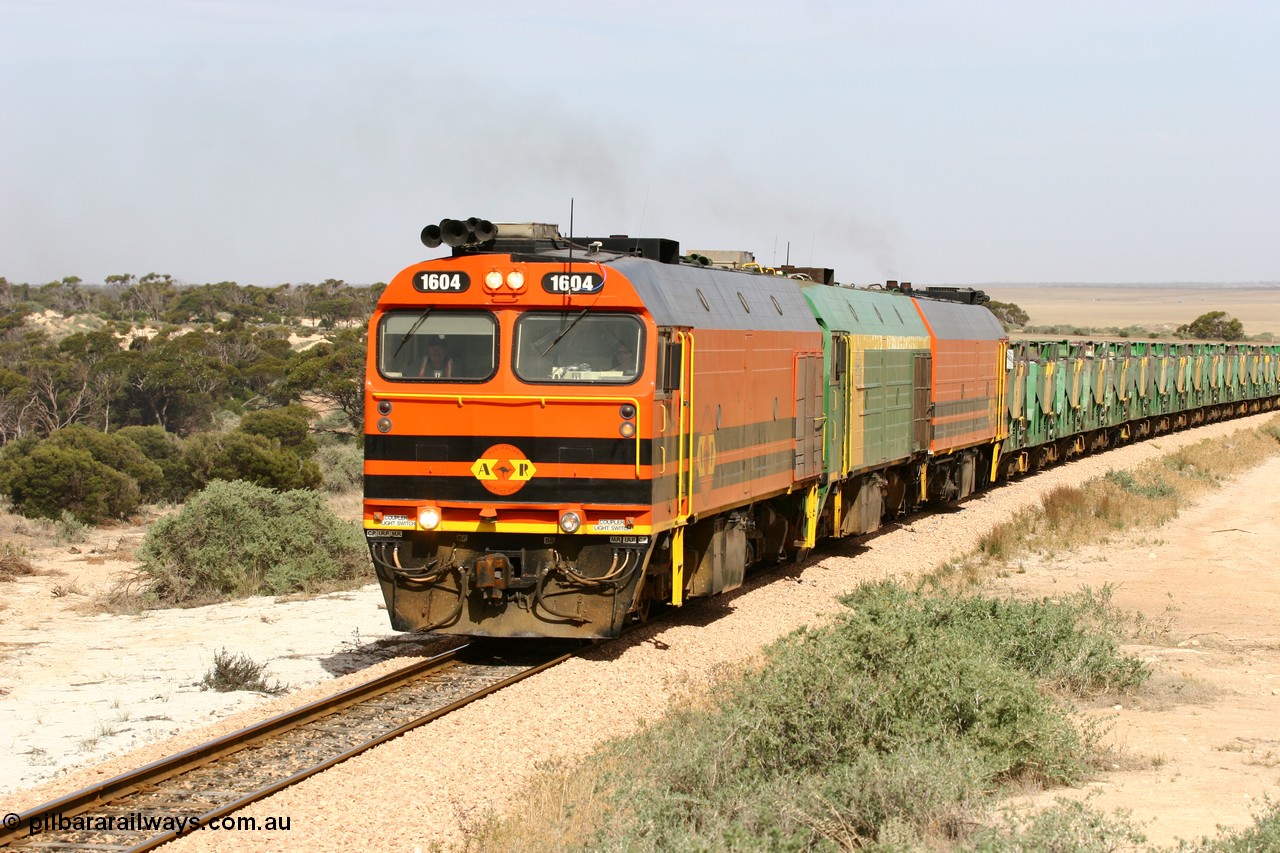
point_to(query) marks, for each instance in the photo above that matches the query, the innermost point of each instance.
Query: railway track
(152, 805)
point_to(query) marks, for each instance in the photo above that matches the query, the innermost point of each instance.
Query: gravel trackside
(425, 787)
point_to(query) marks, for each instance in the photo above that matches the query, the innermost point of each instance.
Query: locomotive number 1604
(563, 282)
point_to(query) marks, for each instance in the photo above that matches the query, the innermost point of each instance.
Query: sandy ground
(78, 685)
(1201, 742)
(1148, 306)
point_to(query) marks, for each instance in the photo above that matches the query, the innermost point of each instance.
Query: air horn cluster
(459, 232)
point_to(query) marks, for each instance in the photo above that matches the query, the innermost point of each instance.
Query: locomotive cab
(509, 418)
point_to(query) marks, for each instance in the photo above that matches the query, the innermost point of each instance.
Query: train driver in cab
(624, 359)
(437, 363)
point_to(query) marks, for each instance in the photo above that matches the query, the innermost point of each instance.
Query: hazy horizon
(265, 141)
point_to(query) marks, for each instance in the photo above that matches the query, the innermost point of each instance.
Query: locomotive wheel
(643, 609)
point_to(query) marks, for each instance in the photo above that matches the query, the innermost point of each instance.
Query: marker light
(515, 279)
(429, 517)
(493, 280)
(627, 429)
(570, 521)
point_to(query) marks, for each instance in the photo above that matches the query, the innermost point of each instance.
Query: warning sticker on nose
(503, 469)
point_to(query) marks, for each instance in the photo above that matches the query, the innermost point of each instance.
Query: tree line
(206, 348)
(1210, 326)
(128, 396)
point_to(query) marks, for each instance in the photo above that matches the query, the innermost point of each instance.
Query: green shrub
(155, 442)
(341, 466)
(1157, 488)
(334, 428)
(165, 450)
(69, 528)
(235, 539)
(1262, 837)
(244, 456)
(1069, 643)
(889, 726)
(114, 451)
(287, 426)
(51, 479)
(1068, 827)
(93, 475)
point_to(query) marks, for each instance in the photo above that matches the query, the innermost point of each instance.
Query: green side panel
(888, 394)
(886, 334)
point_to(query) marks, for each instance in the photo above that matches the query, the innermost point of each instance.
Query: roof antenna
(644, 208)
(570, 234)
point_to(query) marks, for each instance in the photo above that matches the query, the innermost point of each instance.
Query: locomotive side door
(922, 408)
(810, 419)
(838, 383)
(676, 446)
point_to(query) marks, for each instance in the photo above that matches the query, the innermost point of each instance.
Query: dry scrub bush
(234, 539)
(341, 467)
(239, 672)
(14, 562)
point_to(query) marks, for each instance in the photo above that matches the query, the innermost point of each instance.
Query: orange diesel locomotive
(537, 459)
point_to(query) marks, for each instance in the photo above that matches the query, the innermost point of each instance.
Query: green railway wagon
(1068, 397)
(1037, 400)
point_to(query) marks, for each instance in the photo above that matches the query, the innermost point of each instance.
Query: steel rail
(145, 777)
(261, 793)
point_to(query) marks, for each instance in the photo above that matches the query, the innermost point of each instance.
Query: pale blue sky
(266, 141)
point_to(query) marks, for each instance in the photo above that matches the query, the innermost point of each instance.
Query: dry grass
(127, 595)
(1167, 690)
(14, 562)
(1095, 512)
(1106, 751)
(13, 526)
(567, 799)
(347, 505)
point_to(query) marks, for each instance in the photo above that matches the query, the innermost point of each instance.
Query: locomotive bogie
(513, 585)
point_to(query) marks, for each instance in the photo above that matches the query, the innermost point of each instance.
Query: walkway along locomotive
(561, 434)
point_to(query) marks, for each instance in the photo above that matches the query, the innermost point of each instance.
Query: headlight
(493, 280)
(429, 517)
(515, 279)
(570, 521)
